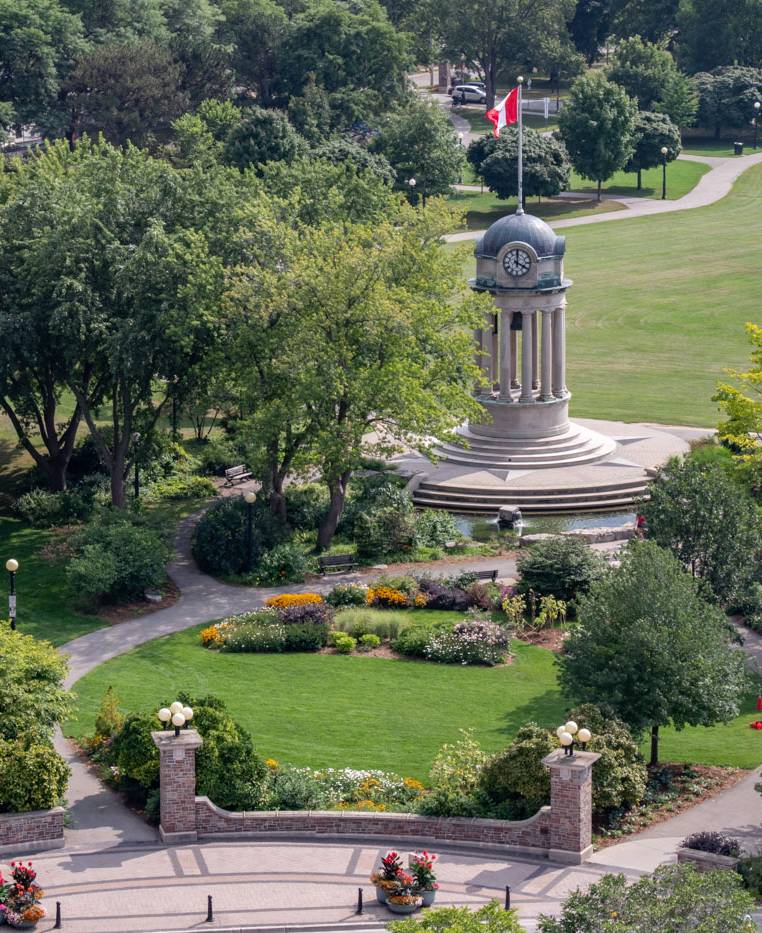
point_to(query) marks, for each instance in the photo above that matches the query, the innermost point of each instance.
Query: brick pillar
(571, 805)
(177, 778)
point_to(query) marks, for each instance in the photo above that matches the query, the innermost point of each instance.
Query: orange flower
(284, 600)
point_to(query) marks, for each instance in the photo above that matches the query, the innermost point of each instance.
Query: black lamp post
(135, 441)
(249, 498)
(757, 106)
(12, 566)
(664, 154)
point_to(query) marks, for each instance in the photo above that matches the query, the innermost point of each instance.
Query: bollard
(507, 897)
(209, 910)
(58, 925)
(359, 901)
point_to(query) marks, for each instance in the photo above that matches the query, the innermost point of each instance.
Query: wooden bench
(486, 575)
(337, 563)
(236, 474)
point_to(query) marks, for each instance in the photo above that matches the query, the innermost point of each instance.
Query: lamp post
(570, 733)
(411, 183)
(12, 566)
(664, 154)
(460, 139)
(757, 107)
(249, 498)
(135, 441)
(176, 714)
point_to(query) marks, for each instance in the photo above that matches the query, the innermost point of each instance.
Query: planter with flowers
(422, 870)
(403, 898)
(385, 879)
(21, 898)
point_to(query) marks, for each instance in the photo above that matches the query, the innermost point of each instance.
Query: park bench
(337, 563)
(236, 474)
(486, 575)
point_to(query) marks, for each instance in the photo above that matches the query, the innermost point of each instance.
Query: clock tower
(521, 347)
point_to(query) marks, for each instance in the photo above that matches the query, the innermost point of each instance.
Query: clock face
(516, 262)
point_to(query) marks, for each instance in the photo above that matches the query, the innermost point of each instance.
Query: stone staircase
(588, 498)
(576, 447)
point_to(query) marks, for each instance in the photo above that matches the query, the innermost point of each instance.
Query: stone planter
(706, 861)
(402, 908)
(427, 897)
(380, 894)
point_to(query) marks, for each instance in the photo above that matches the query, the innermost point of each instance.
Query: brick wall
(531, 834)
(31, 832)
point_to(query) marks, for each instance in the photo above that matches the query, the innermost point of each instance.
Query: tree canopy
(653, 132)
(715, 33)
(546, 165)
(597, 126)
(650, 647)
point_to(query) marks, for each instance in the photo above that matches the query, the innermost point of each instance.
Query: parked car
(468, 94)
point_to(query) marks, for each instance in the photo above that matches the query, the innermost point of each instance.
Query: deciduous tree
(716, 33)
(726, 97)
(650, 647)
(653, 132)
(545, 162)
(597, 126)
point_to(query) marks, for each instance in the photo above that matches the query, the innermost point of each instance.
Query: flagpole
(520, 205)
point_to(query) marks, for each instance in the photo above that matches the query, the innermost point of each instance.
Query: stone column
(515, 359)
(482, 359)
(546, 390)
(527, 370)
(535, 338)
(494, 350)
(559, 352)
(177, 784)
(571, 805)
(506, 368)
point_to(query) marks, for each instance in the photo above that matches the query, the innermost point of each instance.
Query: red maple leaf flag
(505, 113)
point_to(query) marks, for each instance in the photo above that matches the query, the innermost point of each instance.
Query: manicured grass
(484, 209)
(43, 594)
(718, 147)
(331, 710)
(658, 308)
(682, 177)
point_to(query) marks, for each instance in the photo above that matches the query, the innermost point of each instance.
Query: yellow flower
(284, 600)
(271, 763)
(211, 637)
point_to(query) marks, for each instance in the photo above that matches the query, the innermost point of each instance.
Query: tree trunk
(338, 492)
(489, 80)
(55, 471)
(654, 746)
(117, 487)
(640, 178)
(599, 189)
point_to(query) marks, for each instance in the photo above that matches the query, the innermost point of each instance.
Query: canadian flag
(506, 112)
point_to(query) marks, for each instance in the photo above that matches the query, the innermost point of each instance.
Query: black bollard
(507, 897)
(209, 911)
(58, 925)
(359, 901)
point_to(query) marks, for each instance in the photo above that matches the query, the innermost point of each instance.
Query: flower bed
(292, 626)
(341, 789)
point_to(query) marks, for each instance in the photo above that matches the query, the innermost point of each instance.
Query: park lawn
(721, 148)
(658, 308)
(326, 710)
(682, 177)
(481, 210)
(44, 596)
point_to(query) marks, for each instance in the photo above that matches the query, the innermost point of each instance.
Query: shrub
(347, 594)
(454, 777)
(33, 699)
(183, 486)
(219, 539)
(414, 640)
(109, 719)
(620, 775)
(285, 563)
(217, 456)
(562, 566)
(314, 613)
(473, 641)
(442, 595)
(515, 781)
(307, 637)
(33, 776)
(43, 509)
(368, 642)
(284, 600)
(385, 532)
(370, 493)
(343, 643)
(386, 596)
(713, 902)
(491, 918)
(255, 636)
(358, 622)
(435, 527)
(750, 870)
(306, 505)
(716, 843)
(117, 560)
(294, 789)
